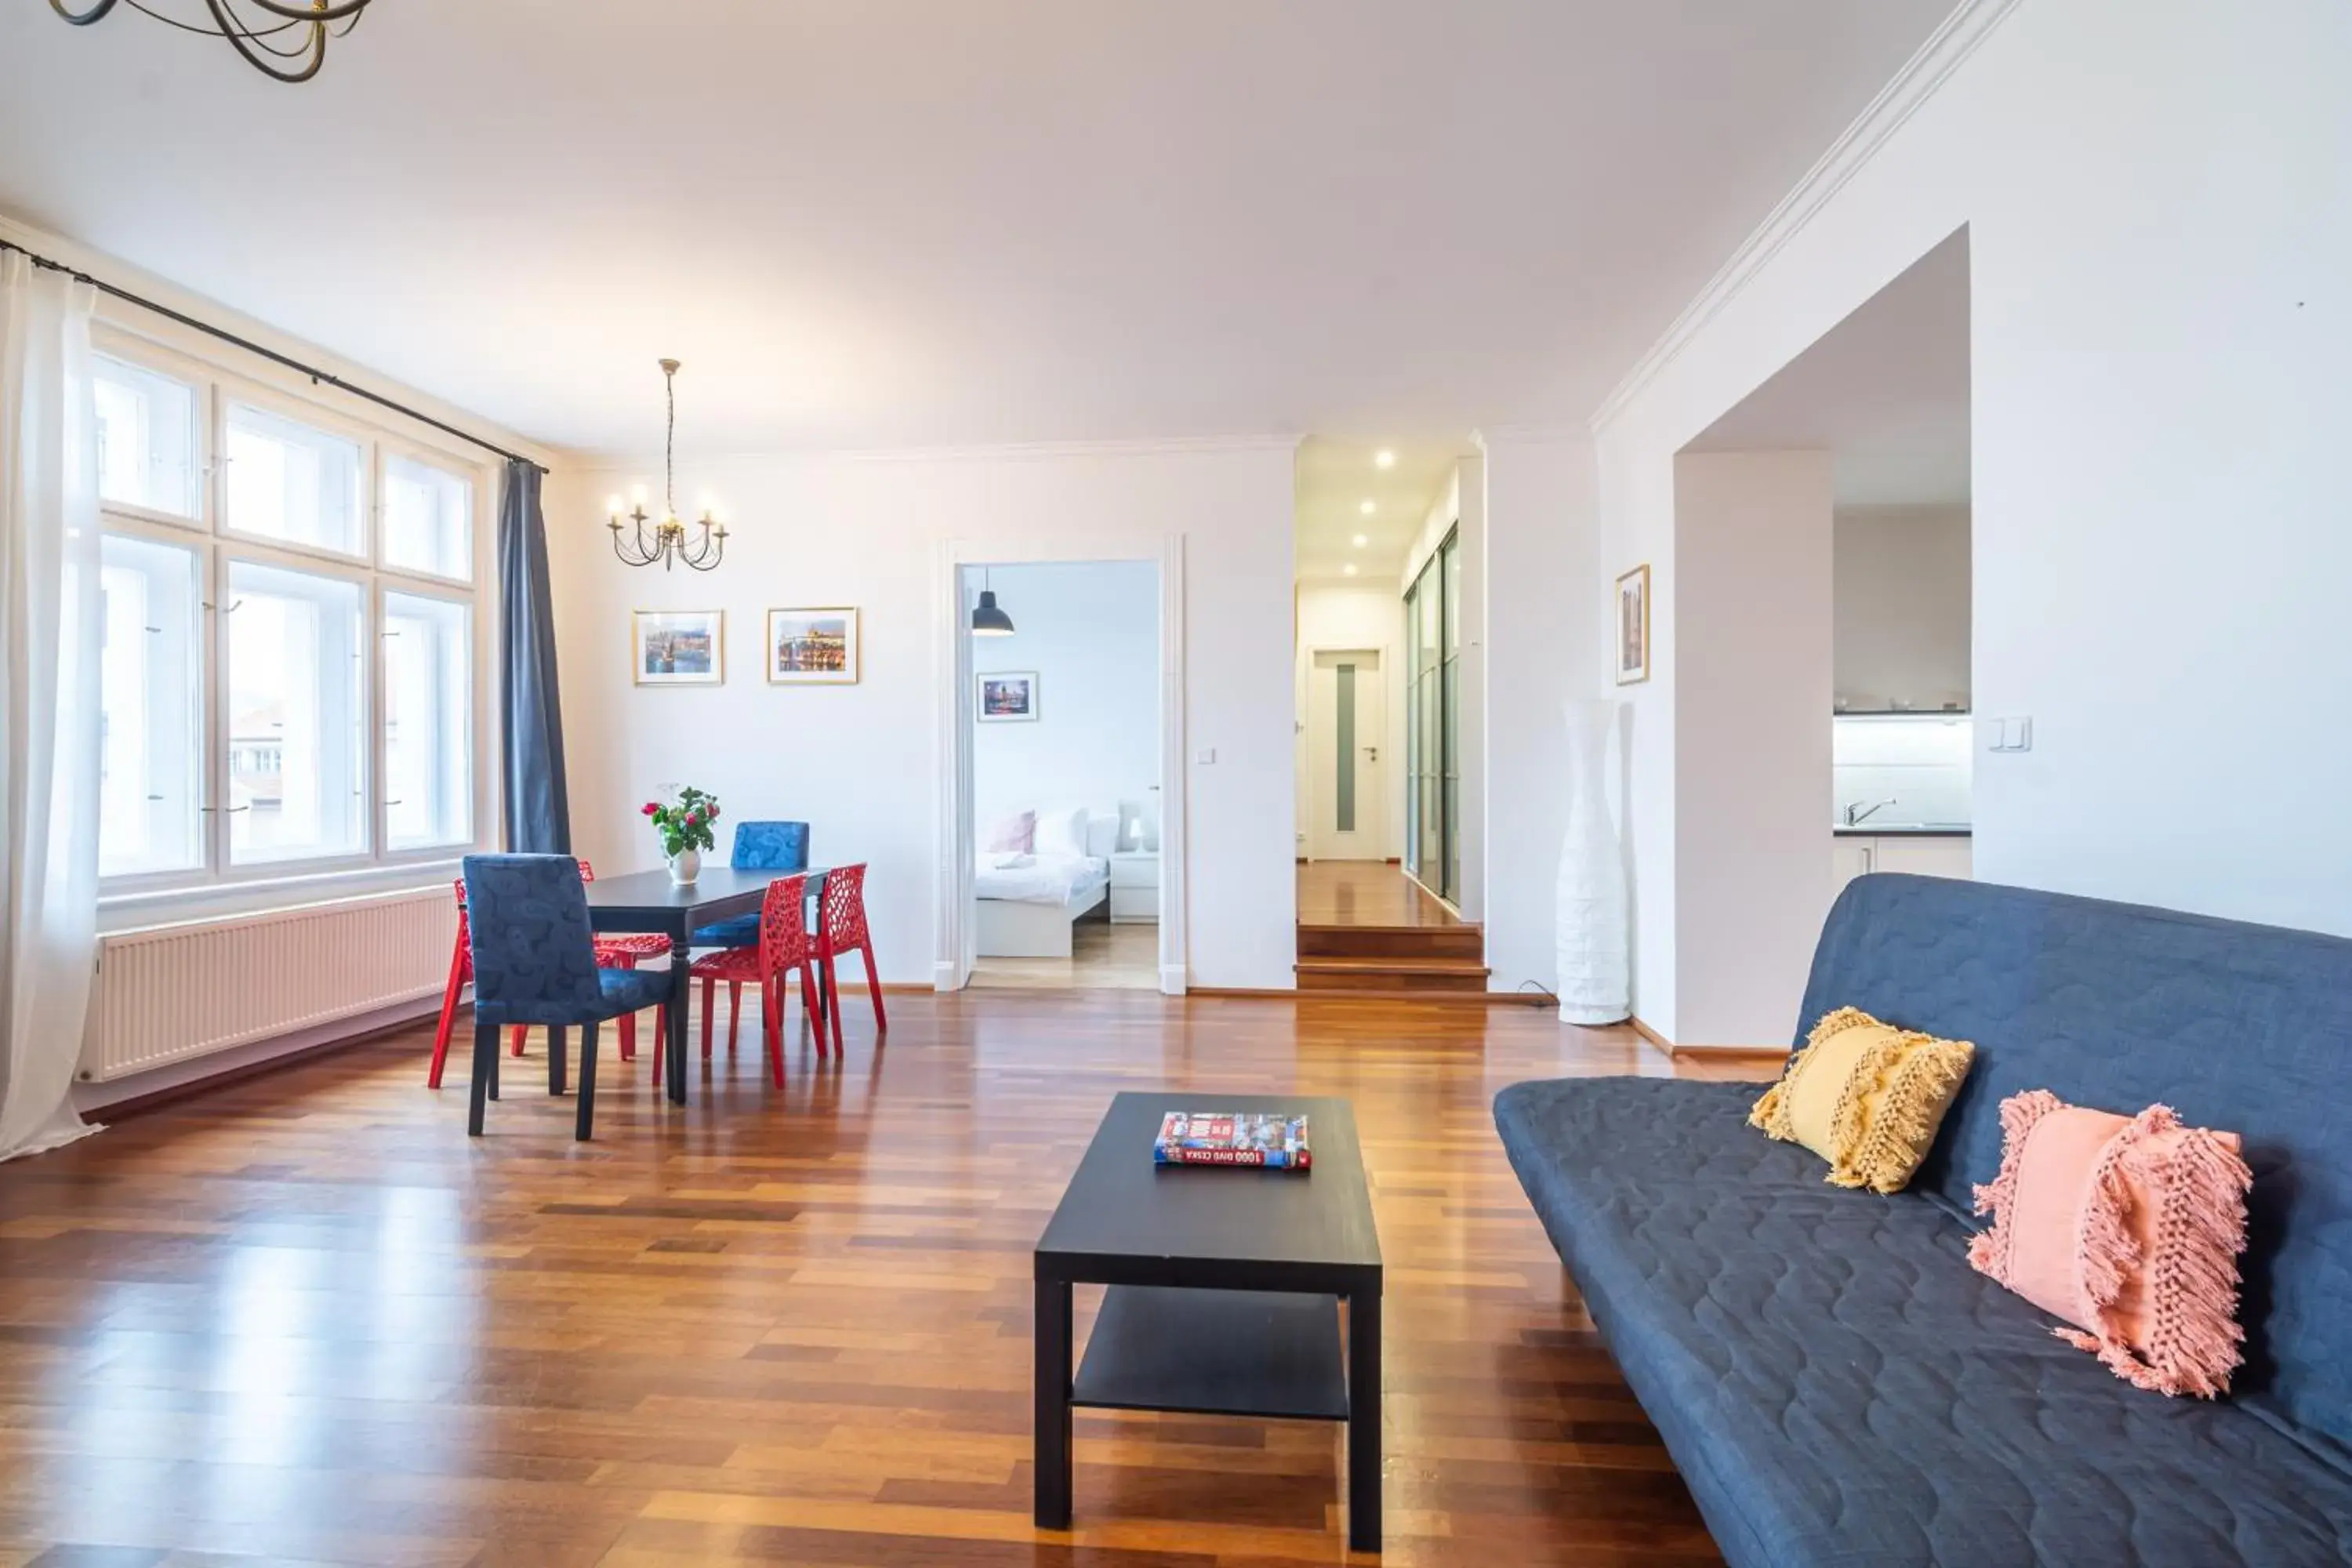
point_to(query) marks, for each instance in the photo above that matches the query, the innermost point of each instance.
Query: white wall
(1752, 534)
(1543, 640)
(1091, 630)
(860, 762)
(2159, 208)
(1335, 617)
(1903, 607)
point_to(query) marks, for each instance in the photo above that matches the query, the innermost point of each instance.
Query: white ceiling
(923, 222)
(1886, 390)
(1337, 477)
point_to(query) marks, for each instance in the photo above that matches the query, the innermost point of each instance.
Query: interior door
(1346, 736)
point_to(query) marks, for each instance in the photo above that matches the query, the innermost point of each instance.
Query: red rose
(693, 818)
(651, 808)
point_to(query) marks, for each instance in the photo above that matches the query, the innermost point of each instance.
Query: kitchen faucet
(1857, 814)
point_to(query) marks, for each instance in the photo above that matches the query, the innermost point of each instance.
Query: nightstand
(1134, 887)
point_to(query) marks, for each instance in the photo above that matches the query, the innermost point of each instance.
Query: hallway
(1366, 893)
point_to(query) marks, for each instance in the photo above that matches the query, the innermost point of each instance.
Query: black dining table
(650, 901)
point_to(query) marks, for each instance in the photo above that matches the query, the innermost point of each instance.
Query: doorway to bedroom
(1065, 734)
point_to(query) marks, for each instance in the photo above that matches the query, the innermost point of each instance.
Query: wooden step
(1391, 974)
(1391, 942)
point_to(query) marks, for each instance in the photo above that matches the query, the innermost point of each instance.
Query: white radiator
(167, 993)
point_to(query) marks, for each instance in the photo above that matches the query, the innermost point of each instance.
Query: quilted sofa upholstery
(1836, 1383)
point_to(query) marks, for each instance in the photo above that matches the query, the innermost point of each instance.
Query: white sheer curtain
(49, 636)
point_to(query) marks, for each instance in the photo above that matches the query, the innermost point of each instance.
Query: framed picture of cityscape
(679, 647)
(1006, 697)
(813, 648)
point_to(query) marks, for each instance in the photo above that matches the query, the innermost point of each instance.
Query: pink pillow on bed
(2129, 1228)
(1014, 835)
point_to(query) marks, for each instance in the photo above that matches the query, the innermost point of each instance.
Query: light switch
(2020, 734)
(1205, 755)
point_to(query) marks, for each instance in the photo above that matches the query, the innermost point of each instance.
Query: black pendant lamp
(987, 620)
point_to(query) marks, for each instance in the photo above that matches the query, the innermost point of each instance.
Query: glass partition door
(1433, 613)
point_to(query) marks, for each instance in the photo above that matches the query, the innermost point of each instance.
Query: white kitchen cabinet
(1922, 855)
(1848, 858)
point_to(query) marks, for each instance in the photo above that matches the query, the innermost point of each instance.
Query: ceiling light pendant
(667, 543)
(252, 31)
(987, 620)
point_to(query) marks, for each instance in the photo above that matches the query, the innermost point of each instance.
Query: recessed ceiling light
(1360, 540)
(1349, 570)
(1385, 458)
(1367, 507)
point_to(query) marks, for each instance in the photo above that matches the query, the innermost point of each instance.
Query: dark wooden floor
(305, 1319)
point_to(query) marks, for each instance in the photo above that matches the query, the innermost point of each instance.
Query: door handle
(1371, 753)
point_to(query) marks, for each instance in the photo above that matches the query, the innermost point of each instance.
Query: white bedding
(1046, 880)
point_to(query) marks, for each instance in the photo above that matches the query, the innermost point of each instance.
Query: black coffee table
(1224, 1293)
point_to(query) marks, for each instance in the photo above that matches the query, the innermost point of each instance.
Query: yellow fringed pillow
(1866, 1097)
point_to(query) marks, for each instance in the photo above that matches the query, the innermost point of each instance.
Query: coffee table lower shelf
(1260, 1354)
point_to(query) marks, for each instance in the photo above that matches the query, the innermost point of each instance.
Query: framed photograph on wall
(813, 648)
(1006, 697)
(679, 647)
(1633, 626)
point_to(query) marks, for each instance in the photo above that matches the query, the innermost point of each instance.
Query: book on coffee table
(1233, 1138)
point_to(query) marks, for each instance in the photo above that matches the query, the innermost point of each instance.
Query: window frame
(189, 372)
(219, 547)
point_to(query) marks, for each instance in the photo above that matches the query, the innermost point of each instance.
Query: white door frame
(955, 948)
(1382, 796)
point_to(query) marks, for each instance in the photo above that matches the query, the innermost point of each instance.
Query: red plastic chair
(842, 929)
(784, 945)
(623, 953)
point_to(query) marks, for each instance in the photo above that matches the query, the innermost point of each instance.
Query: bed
(1025, 903)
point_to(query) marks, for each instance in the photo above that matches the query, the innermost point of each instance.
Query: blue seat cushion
(619, 991)
(1836, 1384)
(630, 990)
(742, 931)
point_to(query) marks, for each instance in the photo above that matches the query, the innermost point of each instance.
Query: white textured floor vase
(1593, 985)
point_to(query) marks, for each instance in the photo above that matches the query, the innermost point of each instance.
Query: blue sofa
(1836, 1384)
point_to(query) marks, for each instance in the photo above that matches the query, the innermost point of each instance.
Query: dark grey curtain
(538, 805)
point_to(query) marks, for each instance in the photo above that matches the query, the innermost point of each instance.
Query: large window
(292, 675)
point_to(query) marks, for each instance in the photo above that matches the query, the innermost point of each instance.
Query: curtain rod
(317, 376)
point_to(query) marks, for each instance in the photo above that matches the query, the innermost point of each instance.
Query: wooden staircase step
(1391, 974)
(1391, 942)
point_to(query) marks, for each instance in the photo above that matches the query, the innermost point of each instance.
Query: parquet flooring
(1103, 957)
(1366, 893)
(304, 1319)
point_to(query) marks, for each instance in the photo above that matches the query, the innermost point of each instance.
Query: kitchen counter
(1898, 830)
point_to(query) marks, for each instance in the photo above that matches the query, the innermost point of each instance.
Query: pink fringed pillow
(2127, 1227)
(1016, 835)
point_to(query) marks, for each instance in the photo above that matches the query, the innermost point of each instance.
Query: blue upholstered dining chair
(535, 963)
(759, 846)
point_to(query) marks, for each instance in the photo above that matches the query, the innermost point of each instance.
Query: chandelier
(667, 543)
(296, 58)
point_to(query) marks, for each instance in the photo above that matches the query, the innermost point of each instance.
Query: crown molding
(1543, 434)
(130, 319)
(610, 462)
(1922, 76)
